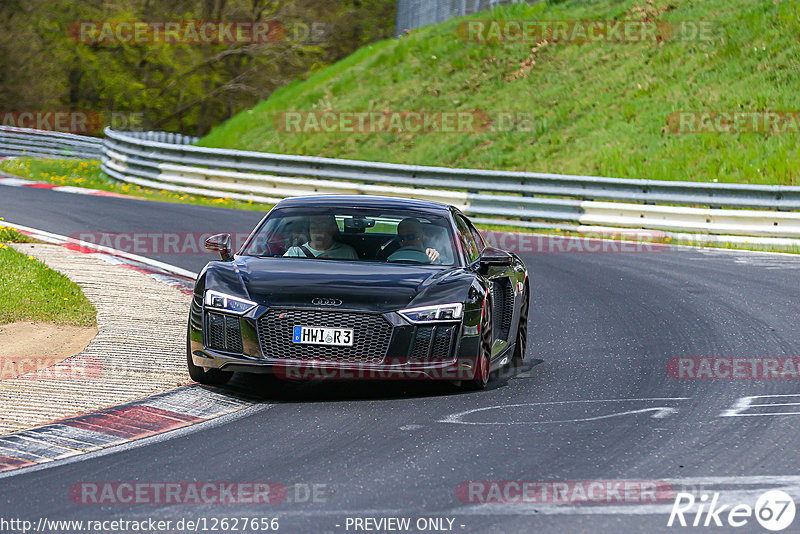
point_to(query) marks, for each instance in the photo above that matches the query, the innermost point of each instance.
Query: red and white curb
(142, 418)
(177, 408)
(19, 182)
(181, 279)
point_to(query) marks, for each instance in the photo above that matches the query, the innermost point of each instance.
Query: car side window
(477, 237)
(464, 234)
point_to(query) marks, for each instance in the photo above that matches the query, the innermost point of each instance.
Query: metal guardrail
(523, 185)
(41, 143)
(412, 14)
(525, 199)
(44, 144)
(165, 137)
(535, 200)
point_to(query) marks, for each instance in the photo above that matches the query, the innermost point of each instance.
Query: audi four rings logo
(326, 302)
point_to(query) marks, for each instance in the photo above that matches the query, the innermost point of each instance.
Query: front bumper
(302, 370)
(404, 357)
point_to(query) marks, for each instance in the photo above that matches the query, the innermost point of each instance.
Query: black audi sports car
(358, 287)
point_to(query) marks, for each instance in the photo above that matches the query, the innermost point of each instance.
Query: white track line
(61, 239)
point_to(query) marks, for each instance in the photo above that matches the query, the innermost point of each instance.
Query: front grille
(432, 343)
(223, 333)
(371, 335)
(503, 307)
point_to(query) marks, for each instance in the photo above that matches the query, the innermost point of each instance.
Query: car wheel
(481, 377)
(522, 330)
(209, 377)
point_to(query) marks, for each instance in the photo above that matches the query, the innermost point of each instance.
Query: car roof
(363, 201)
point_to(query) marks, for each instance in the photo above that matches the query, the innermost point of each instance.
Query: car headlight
(428, 314)
(228, 303)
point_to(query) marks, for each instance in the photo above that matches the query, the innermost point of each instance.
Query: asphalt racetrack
(595, 402)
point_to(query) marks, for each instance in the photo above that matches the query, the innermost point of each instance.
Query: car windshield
(355, 234)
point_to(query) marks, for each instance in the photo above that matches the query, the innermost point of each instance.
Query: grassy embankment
(31, 291)
(594, 108)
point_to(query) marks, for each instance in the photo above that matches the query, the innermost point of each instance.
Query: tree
(181, 86)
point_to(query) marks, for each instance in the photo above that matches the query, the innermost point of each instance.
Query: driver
(322, 229)
(411, 246)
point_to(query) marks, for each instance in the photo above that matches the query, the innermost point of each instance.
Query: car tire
(522, 330)
(483, 366)
(209, 377)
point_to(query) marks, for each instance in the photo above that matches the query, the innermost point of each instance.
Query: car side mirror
(495, 257)
(220, 243)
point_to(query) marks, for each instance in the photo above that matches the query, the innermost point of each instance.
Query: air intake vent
(223, 333)
(432, 343)
(503, 293)
(422, 342)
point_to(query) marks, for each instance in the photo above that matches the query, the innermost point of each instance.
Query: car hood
(362, 286)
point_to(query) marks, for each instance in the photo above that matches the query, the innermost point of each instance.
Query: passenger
(322, 230)
(411, 244)
(296, 232)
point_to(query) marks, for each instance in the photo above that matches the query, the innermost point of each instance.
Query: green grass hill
(592, 108)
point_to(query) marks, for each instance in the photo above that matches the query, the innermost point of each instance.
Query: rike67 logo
(774, 511)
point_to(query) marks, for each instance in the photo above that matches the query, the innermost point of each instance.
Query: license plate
(314, 335)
